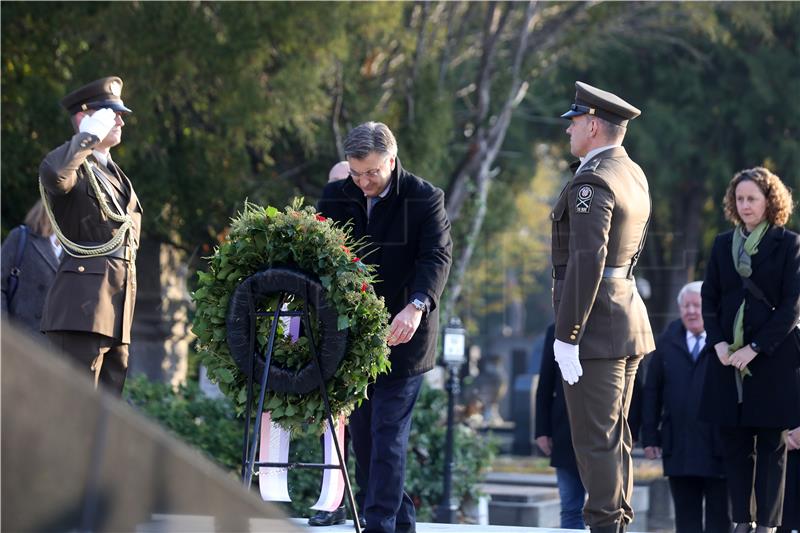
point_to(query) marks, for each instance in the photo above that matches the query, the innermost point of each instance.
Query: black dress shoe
(363, 522)
(744, 527)
(328, 518)
(765, 529)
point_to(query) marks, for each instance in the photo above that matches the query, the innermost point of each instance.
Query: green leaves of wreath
(263, 237)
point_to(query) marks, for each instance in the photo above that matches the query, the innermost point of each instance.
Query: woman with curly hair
(751, 307)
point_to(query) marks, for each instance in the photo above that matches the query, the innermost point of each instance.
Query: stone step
(519, 493)
(164, 523)
(518, 478)
(173, 523)
(427, 527)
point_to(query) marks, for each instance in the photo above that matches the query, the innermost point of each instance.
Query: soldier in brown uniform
(97, 217)
(602, 329)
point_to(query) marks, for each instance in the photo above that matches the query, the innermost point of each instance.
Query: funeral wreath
(297, 238)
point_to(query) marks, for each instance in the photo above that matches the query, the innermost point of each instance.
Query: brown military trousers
(106, 358)
(598, 408)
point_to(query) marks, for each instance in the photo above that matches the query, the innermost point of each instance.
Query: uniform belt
(624, 272)
(123, 252)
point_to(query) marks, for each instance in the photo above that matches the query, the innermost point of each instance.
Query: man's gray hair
(693, 287)
(613, 132)
(370, 137)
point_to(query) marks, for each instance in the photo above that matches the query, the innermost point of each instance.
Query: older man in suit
(691, 449)
(599, 224)
(406, 234)
(97, 218)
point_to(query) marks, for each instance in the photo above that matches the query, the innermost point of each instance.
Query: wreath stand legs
(250, 444)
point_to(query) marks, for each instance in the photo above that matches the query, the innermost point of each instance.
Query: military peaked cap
(105, 92)
(601, 104)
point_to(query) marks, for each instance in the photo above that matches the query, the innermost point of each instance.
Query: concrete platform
(425, 527)
(207, 524)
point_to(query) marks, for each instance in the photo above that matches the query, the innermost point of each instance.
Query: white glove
(568, 362)
(98, 124)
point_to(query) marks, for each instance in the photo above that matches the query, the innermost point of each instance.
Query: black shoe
(327, 518)
(363, 522)
(744, 527)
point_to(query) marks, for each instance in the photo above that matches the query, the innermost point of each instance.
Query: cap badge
(115, 87)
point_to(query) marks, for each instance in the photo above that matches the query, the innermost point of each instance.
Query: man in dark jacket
(690, 449)
(406, 234)
(554, 438)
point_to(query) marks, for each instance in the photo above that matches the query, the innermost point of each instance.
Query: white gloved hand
(98, 124)
(568, 362)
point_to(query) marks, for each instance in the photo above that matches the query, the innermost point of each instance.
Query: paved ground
(207, 524)
(438, 528)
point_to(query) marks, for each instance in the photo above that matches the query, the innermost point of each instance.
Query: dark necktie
(371, 205)
(696, 348)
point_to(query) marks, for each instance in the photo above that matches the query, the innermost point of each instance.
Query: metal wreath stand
(243, 311)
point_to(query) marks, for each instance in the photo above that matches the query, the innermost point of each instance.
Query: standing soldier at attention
(97, 217)
(602, 330)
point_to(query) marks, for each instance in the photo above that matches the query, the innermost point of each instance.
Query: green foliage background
(236, 100)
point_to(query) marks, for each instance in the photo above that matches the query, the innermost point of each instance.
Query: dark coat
(551, 408)
(599, 221)
(95, 294)
(37, 272)
(672, 395)
(771, 395)
(791, 496)
(407, 237)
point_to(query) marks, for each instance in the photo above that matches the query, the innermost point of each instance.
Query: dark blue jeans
(379, 431)
(573, 496)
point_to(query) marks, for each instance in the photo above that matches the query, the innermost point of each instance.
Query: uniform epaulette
(591, 166)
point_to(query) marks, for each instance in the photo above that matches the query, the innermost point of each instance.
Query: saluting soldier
(97, 217)
(602, 330)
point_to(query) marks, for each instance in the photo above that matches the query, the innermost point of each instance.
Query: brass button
(572, 337)
(81, 268)
(577, 326)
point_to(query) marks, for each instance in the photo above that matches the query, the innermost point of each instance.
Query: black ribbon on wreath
(243, 308)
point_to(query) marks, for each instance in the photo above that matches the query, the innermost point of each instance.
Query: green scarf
(744, 247)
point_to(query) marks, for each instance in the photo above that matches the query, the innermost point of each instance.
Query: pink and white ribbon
(273, 448)
(330, 496)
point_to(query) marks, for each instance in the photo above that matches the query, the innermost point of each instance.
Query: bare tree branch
(490, 139)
